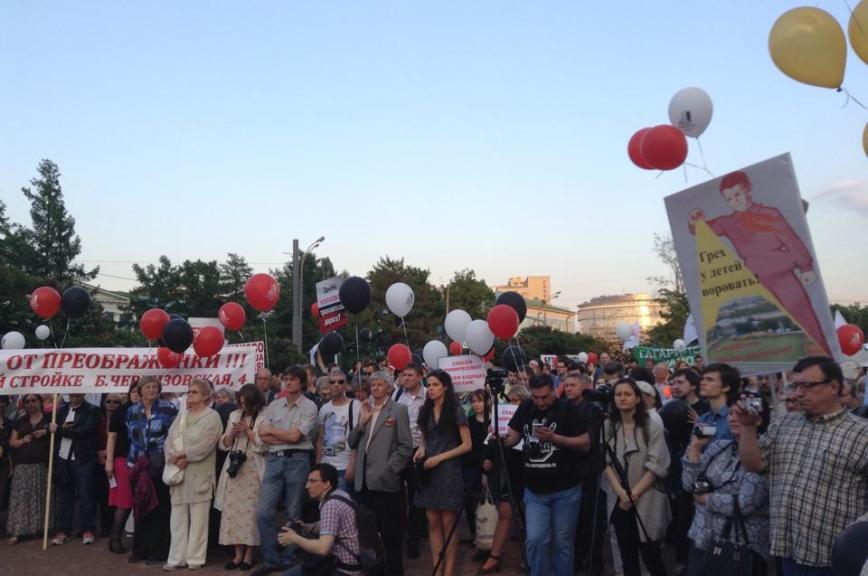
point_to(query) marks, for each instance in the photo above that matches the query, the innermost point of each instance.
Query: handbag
(486, 521)
(172, 474)
(725, 557)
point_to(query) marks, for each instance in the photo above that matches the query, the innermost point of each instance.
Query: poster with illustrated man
(752, 277)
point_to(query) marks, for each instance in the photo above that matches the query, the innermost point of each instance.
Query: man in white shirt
(337, 418)
(412, 394)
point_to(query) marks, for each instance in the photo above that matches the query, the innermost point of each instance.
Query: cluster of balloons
(808, 45)
(664, 147)
(851, 338)
(175, 334)
(47, 302)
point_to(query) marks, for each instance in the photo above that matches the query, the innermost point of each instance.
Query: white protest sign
(467, 372)
(505, 413)
(113, 370)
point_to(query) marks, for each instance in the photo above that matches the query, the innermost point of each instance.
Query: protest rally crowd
(326, 472)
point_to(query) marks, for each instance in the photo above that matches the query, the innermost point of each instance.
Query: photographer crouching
(330, 546)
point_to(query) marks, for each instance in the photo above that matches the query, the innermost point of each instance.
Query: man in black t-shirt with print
(552, 432)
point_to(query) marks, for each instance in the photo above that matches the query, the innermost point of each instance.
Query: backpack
(371, 554)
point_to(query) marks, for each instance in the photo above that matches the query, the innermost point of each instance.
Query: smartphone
(113, 483)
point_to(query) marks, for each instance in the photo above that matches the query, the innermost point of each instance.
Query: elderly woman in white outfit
(191, 446)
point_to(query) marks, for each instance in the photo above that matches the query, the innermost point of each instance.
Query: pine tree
(233, 275)
(53, 234)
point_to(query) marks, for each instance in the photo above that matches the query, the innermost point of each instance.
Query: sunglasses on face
(337, 381)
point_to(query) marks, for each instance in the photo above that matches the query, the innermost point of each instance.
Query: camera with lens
(602, 393)
(236, 459)
(495, 379)
(704, 431)
(753, 402)
(701, 487)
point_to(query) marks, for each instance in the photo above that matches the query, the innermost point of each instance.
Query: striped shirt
(819, 482)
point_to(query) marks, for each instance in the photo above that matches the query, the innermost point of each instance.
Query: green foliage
(52, 235)
(675, 311)
(853, 314)
(466, 292)
(537, 340)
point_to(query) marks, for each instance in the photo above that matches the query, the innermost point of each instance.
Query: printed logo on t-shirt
(539, 452)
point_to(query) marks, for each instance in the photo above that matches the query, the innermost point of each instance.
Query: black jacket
(82, 432)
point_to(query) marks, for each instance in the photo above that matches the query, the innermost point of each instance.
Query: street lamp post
(545, 309)
(298, 258)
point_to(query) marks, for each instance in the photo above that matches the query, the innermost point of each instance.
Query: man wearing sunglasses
(817, 462)
(337, 418)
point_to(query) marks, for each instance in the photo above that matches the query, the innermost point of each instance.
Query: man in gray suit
(382, 444)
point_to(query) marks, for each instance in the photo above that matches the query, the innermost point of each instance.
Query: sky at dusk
(485, 135)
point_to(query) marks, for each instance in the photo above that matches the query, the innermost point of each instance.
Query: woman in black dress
(445, 438)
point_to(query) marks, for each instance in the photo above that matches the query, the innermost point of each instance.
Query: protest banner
(749, 267)
(505, 413)
(332, 315)
(668, 355)
(467, 372)
(113, 370)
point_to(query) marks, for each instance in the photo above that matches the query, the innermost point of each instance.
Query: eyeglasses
(807, 385)
(337, 381)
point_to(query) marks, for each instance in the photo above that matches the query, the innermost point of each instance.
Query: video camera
(496, 380)
(602, 394)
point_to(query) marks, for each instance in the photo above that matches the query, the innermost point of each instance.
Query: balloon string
(853, 16)
(684, 169)
(520, 356)
(703, 168)
(702, 154)
(850, 97)
(63, 342)
(265, 336)
(358, 343)
(403, 327)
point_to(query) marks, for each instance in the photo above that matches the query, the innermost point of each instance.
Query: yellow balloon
(808, 45)
(858, 30)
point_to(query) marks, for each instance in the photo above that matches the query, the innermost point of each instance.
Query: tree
(664, 248)
(670, 295)
(190, 289)
(53, 230)
(854, 314)
(466, 292)
(425, 319)
(537, 340)
(233, 275)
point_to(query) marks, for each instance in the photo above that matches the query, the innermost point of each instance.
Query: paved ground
(72, 559)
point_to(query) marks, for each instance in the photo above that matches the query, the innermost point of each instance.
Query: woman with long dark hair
(471, 463)
(30, 452)
(636, 460)
(238, 494)
(445, 438)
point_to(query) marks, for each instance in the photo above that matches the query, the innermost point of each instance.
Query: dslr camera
(701, 487)
(602, 393)
(236, 459)
(495, 379)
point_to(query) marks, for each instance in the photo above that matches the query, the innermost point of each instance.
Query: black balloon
(513, 358)
(355, 294)
(178, 335)
(75, 302)
(331, 344)
(515, 301)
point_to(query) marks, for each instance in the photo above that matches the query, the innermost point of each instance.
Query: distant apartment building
(531, 287)
(557, 318)
(600, 316)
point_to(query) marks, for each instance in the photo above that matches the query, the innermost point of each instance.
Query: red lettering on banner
(14, 362)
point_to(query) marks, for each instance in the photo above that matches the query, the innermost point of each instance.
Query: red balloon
(232, 316)
(208, 341)
(455, 348)
(399, 356)
(634, 150)
(152, 323)
(851, 339)
(503, 321)
(45, 301)
(490, 355)
(664, 147)
(167, 358)
(314, 311)
(262, 292)
(592, 358)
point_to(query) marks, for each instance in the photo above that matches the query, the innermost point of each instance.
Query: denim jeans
(793, 569)
(347, 487)
(550, 516)
(75, 477)
(284, 476)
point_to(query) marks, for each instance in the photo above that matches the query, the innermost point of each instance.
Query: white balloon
(679, 345)
(13, 341)
(43, 331)
(433, 352)
(583, 357)
(690, 111)
(456, 323)
(479, 337)
(624, 331)
(400, 299)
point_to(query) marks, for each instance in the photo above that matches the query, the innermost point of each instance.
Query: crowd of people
(598, 468)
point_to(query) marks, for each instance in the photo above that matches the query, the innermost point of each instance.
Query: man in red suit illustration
(770, 248)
